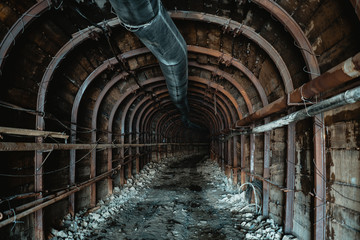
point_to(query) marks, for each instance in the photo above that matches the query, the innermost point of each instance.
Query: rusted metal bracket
(305, 101)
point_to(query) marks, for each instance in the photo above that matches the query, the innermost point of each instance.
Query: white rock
(248, 215)
(95, 216)
(61, 234)
(54, 232)
(94, 225)
(250, 236)
(288, 237)
(260, 218)
(248, 225)
(116, 189)
(106, 215)
(271, 221)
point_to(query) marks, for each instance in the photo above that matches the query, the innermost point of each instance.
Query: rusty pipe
(340, 74)
(23, 146)
(348, 97)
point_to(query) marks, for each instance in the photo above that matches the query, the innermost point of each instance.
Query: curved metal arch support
(219, 121)
(157, 129)
(19, 26)
(245, 31)
(219, 106)
(296, 32)
(130, 90)
(170, 128)
(215, 121)
(237, 64)
(130, 127)
(146, 118)
(229, 78)
(50, 70)
(122, 122)
(218, 88)
(166, 121)
(149, 116)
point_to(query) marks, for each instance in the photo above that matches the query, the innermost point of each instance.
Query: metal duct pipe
(350, 96)
(151, 23)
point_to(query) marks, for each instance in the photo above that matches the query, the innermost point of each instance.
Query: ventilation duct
(151, 23)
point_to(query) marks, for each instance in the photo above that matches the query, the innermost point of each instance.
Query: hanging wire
(312, 73)
(15, 221)
(57, 7)
(304, 49)
(257, 207)
(121, 61)
(56, 170)
(42, 164)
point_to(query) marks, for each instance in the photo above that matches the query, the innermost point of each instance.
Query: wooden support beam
(266, 174)
(290, 179)
(242, 159)
(252, 153)
(33, 133)
(319, 179)
(235, 160)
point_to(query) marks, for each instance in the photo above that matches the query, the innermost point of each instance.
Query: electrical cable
(54, 171)
(256, 204)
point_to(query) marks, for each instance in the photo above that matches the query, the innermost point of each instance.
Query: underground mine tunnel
(106, 106)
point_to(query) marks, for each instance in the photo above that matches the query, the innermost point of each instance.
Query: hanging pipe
(151, 23)
(348, 97)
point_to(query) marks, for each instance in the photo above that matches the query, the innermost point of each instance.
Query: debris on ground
(186, 197)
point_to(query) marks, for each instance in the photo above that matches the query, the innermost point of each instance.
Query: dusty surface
(183, 198)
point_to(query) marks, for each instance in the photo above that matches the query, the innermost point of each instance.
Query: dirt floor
(178, 198)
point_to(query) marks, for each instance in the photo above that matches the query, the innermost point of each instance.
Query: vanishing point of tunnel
(177, 119)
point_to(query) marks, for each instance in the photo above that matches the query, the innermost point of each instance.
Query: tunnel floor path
(179, 204)
(177, 198)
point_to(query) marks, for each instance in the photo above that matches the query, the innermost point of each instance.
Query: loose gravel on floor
(186, 197)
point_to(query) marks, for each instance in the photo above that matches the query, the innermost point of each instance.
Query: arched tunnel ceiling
(256, 51)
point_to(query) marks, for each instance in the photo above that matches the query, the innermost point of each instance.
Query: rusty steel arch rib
(223, 114)
(217, 88)
(313, 66)
(222, 106)
(280, 14)
(229, 78)
(133, 113)
(167, 129)
(220, 122)
(237, 64)
(18, 27)
(124, 113)
(148, 116)
(247, 32)
(131, 118)
(94, 122)
(232, 114)
(216, 120)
